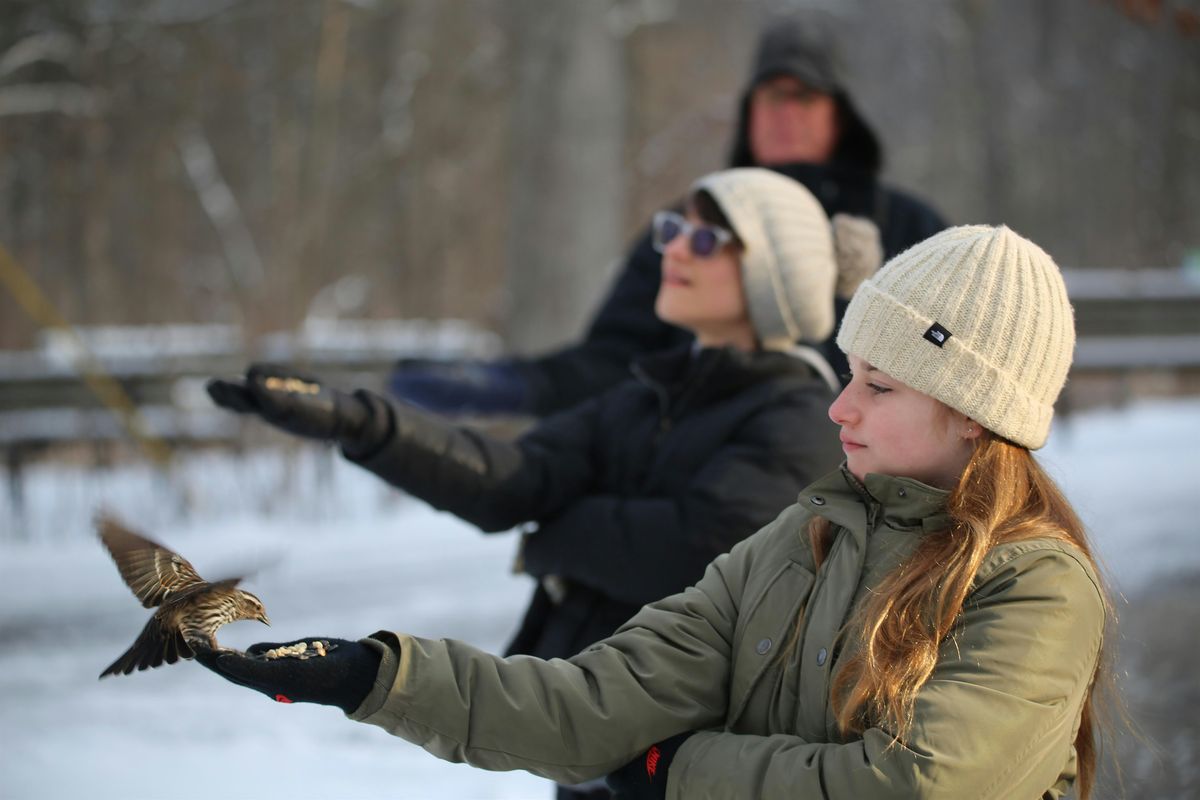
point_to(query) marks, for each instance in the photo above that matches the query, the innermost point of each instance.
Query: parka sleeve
(638, 549)
(625, 327)
(665, 672)
(997, 718)
(487, 481)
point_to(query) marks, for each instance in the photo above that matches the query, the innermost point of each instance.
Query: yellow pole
(102, 385)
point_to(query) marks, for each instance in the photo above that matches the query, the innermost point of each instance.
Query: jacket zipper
(666, 409)
(833, 646)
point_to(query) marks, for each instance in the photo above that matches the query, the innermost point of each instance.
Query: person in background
(795, 116)
(926, 621)
(633, 493)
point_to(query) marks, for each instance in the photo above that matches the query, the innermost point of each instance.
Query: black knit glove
(300, 405)
(645, 778)
(343, 677)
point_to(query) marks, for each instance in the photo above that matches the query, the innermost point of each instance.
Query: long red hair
(1003, 496)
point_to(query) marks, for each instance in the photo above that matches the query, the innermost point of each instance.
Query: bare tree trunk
(567, 195)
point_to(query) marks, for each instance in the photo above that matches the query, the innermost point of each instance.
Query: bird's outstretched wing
(154, 573)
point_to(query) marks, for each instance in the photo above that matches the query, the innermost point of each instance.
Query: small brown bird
(190, 609)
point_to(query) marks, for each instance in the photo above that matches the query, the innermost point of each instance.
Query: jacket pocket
(767, 628)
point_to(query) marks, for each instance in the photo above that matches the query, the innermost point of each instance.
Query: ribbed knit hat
(789, 267)
(976, 317)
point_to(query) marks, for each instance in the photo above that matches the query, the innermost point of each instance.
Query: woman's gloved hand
(645, 778)
(342, 677)
(301, 405)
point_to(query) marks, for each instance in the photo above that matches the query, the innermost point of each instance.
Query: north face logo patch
(937, 334)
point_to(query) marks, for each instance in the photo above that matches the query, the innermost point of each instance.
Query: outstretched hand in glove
(342, 676)
(301, 405)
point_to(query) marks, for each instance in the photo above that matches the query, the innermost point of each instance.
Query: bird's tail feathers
(153, 648)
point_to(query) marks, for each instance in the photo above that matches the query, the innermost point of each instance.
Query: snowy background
(339, 554)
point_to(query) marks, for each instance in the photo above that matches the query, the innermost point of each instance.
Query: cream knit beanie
(976, 317)
(789, 267)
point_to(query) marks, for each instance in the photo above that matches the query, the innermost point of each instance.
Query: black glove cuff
(375, 429)
(359, 681)
(645, 778)
(666, 754)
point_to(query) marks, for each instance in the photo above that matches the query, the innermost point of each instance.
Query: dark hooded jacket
(626, 326)
(633, 493)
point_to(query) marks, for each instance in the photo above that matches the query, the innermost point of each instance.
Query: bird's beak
(263, 618)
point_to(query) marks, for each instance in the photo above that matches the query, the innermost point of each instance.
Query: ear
(971, 429)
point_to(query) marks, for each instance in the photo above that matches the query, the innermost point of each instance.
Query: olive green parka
(997, 718)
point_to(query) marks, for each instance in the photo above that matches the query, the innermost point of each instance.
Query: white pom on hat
(859, 250)
(976, 317)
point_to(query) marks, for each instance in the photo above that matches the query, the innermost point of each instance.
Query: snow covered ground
(344, 557)
(338, 554)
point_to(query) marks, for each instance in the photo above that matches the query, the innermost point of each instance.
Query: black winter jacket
(626, 326)
(634, 492)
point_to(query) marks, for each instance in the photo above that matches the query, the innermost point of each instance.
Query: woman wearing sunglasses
(634, 493)
(926, 621)
(796, 116)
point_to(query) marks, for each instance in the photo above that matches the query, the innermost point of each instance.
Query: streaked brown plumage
(190, 609)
